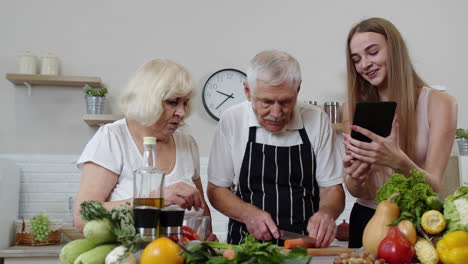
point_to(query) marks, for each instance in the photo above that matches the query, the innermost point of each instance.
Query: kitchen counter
(29, 254)
(50, 254)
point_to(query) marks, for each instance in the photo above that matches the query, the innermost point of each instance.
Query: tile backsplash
(49, 184)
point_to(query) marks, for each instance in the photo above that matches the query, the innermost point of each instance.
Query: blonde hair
(273, 67)
(154, 82)
(403, 83)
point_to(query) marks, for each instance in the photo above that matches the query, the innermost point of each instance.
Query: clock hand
(230, 96)
(227, 98)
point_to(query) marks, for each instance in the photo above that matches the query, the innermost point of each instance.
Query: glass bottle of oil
(148, 186)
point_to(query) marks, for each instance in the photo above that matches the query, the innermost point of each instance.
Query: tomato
(162, 250)
(395, 247)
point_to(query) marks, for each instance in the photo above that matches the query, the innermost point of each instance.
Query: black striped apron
(279, 180)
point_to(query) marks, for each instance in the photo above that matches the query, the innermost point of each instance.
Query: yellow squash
(377, 227)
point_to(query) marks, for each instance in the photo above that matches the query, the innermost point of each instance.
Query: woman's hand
(183, 195)
(356, 169)
(381, 151)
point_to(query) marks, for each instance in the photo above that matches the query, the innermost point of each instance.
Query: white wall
(111, 39)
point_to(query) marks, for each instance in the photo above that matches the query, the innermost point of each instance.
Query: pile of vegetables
(250, 251)
(416, 197)
(411, 221)
(110, 237)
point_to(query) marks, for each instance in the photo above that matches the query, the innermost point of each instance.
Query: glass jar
(28, 63)
(49, 65)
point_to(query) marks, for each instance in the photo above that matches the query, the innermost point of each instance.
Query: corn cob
(426, 252)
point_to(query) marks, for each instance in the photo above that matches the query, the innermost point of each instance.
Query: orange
(162, 250)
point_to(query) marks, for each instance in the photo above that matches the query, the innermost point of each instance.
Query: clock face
(223, 89)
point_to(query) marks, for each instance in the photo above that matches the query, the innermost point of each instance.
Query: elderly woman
(155, 104)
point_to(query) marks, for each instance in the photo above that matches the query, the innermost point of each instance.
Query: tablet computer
(374, 116)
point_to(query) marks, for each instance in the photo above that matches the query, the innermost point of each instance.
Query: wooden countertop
(29, 251)
(54, 251)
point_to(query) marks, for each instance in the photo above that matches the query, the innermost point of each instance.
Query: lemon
(433, 222)
(162, 250)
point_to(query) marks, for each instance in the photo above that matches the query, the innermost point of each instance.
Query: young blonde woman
(379, 69)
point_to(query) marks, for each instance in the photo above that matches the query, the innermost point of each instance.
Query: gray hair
(273, 67)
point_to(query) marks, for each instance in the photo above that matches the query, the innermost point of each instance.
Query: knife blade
(285, 235)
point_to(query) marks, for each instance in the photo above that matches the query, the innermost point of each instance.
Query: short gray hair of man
(273, 67)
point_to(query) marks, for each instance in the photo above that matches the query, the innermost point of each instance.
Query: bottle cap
(149, 141)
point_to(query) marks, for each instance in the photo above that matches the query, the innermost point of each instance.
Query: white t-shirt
(113, 148)
(231, 136)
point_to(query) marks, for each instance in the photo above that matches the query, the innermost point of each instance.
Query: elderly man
(273, 164)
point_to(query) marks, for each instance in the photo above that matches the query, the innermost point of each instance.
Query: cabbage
(456, 210)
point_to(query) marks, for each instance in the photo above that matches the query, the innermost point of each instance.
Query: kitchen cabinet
(53, 80)
(99, 120)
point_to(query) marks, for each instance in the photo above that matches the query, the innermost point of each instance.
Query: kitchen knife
(285, 235)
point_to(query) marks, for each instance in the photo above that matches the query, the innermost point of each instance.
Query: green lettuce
(416, 196)
(456, 210)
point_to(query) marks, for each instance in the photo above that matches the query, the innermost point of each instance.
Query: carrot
(298, 242)
(229, 253)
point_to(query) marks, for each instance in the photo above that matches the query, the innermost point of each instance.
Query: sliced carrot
(229, 253)
(298, 242)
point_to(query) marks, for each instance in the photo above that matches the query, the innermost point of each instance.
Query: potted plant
(462, 141)
(95, 98)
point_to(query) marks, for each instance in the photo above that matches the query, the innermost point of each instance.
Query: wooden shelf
(99, 120)
(54, 80)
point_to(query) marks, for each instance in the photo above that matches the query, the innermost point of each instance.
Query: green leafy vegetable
(250, 251)
(93, 210)
(456, 210)
(416, 196)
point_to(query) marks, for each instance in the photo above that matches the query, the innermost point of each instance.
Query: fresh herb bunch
(40, 227)
(416, 196)
(250, 251)
(95, 91)
(461, 133)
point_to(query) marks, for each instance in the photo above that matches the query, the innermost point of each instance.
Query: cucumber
(96, 255)
(73, 249)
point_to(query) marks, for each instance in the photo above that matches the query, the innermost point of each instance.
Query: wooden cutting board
(329, 251)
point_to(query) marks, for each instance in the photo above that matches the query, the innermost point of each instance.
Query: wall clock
(223, 89)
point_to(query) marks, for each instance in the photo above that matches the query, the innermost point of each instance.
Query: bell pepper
(453, 248)
(189, 233)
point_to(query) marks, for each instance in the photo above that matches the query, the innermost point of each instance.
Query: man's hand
(322, 227)
(260, 224)
(183, 195)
